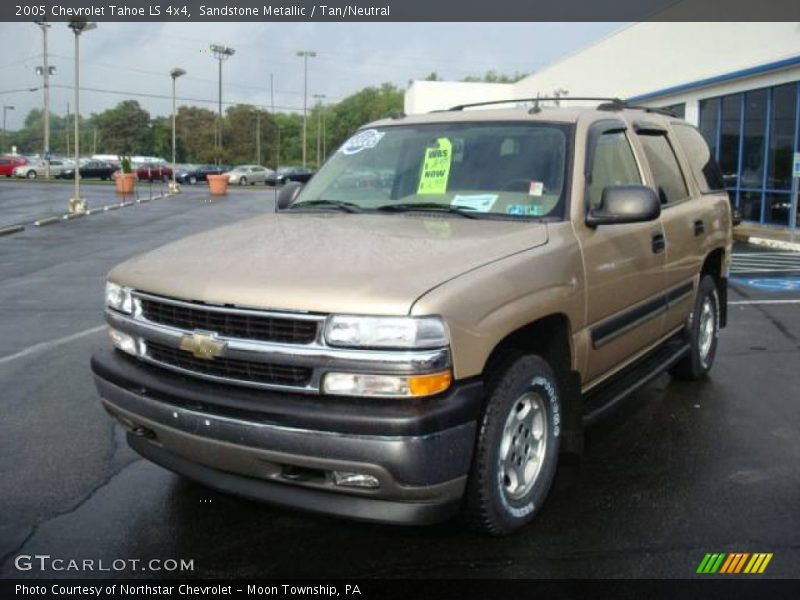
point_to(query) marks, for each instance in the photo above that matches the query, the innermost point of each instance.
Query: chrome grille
(240, 324)
(229, 368)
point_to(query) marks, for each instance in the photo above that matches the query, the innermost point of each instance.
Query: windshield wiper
(464, 211)
(338, 204)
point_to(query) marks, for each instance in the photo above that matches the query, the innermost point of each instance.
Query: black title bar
(399, 10)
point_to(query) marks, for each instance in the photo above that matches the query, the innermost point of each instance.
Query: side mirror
(288, 194)
(625, 204)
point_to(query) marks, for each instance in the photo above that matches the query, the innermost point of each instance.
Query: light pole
(175, 73)
(6, 108)
(305, 54)
(258, 137)
(45, 71)
(319, 98)
(77, 204)
(221, 53)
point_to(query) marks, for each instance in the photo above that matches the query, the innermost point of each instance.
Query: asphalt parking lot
(19, 206)
(678, 471)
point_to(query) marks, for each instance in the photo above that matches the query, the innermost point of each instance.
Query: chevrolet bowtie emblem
(203, 345)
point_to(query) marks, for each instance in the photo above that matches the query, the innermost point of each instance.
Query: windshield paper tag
(436, 168)
(477, 202)
(536, 188)
(363, 140)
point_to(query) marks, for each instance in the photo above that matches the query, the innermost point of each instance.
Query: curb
(11, 229)
(776, 244)
(47, 221)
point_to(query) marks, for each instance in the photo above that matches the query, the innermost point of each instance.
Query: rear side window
(666, 171)
(614, 164)
(704, 168)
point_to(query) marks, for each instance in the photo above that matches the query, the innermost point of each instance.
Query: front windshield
(515, 169)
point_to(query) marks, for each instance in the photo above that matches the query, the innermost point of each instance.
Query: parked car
(91, 169)
(285, 174)
(9, 163)
(38, 168)
(443, 336)
(248, 174)
(154, 172)
(191, 174)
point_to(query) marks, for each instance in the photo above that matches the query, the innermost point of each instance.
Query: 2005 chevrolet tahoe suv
(433, 319)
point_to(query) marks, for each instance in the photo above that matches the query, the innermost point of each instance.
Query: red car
(154, 172)
(9, 163)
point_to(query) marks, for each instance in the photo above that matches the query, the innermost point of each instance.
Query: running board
(607, 395)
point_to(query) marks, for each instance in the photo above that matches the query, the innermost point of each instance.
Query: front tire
(192, 180)
(243, 181)
(702, 333)
(517, 448)
(31, 174)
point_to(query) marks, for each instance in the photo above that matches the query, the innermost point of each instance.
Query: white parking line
(42, 346)
(747, 302)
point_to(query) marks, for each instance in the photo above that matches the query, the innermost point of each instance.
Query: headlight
(119, 298)
(386, 332)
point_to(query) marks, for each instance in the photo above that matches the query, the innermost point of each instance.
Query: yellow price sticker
(436, 168)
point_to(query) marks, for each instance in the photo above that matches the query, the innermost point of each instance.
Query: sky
(127, 58)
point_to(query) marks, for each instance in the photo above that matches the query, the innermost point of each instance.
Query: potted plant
(126, 178)
(217, 184)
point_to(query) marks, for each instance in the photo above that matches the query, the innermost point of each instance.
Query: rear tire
(702, 332)
(517, 449)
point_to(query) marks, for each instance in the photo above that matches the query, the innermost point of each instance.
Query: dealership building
(739, 83)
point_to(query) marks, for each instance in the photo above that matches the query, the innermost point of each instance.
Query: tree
(195, 130)
(125, 129)
(367, 105)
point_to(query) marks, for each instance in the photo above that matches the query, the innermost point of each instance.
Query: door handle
(699, 227)
(658, 243)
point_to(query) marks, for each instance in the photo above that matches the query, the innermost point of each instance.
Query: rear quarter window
(703, 165)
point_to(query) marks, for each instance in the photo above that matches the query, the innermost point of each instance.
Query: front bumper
(283, 448)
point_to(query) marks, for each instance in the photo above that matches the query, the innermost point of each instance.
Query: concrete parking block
(11, 229)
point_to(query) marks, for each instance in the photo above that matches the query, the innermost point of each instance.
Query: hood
(326, 262)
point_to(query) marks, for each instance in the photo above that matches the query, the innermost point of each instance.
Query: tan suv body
(433, 320)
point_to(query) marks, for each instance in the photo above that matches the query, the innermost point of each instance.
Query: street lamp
(45, 72)
(221, 53)
(77, 205)
(6, 108)
(175, 73)
(305, 54)
(320, 124)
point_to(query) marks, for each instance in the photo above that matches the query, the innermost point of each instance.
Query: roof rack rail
(616, 101)
(651, 109)
(609, 104)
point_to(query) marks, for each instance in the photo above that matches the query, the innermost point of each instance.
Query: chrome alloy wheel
(523, 445)
(707, 329)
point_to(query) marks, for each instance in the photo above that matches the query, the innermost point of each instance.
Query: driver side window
(614, 164)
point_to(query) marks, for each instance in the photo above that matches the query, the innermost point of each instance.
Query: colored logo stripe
(711, 563)
(758, 563)
(733, 563)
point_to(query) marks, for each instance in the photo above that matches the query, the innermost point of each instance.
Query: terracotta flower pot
(217, 184)
(125, 182)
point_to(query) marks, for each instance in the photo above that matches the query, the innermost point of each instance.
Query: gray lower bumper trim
(354, 507)
(402, 461)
